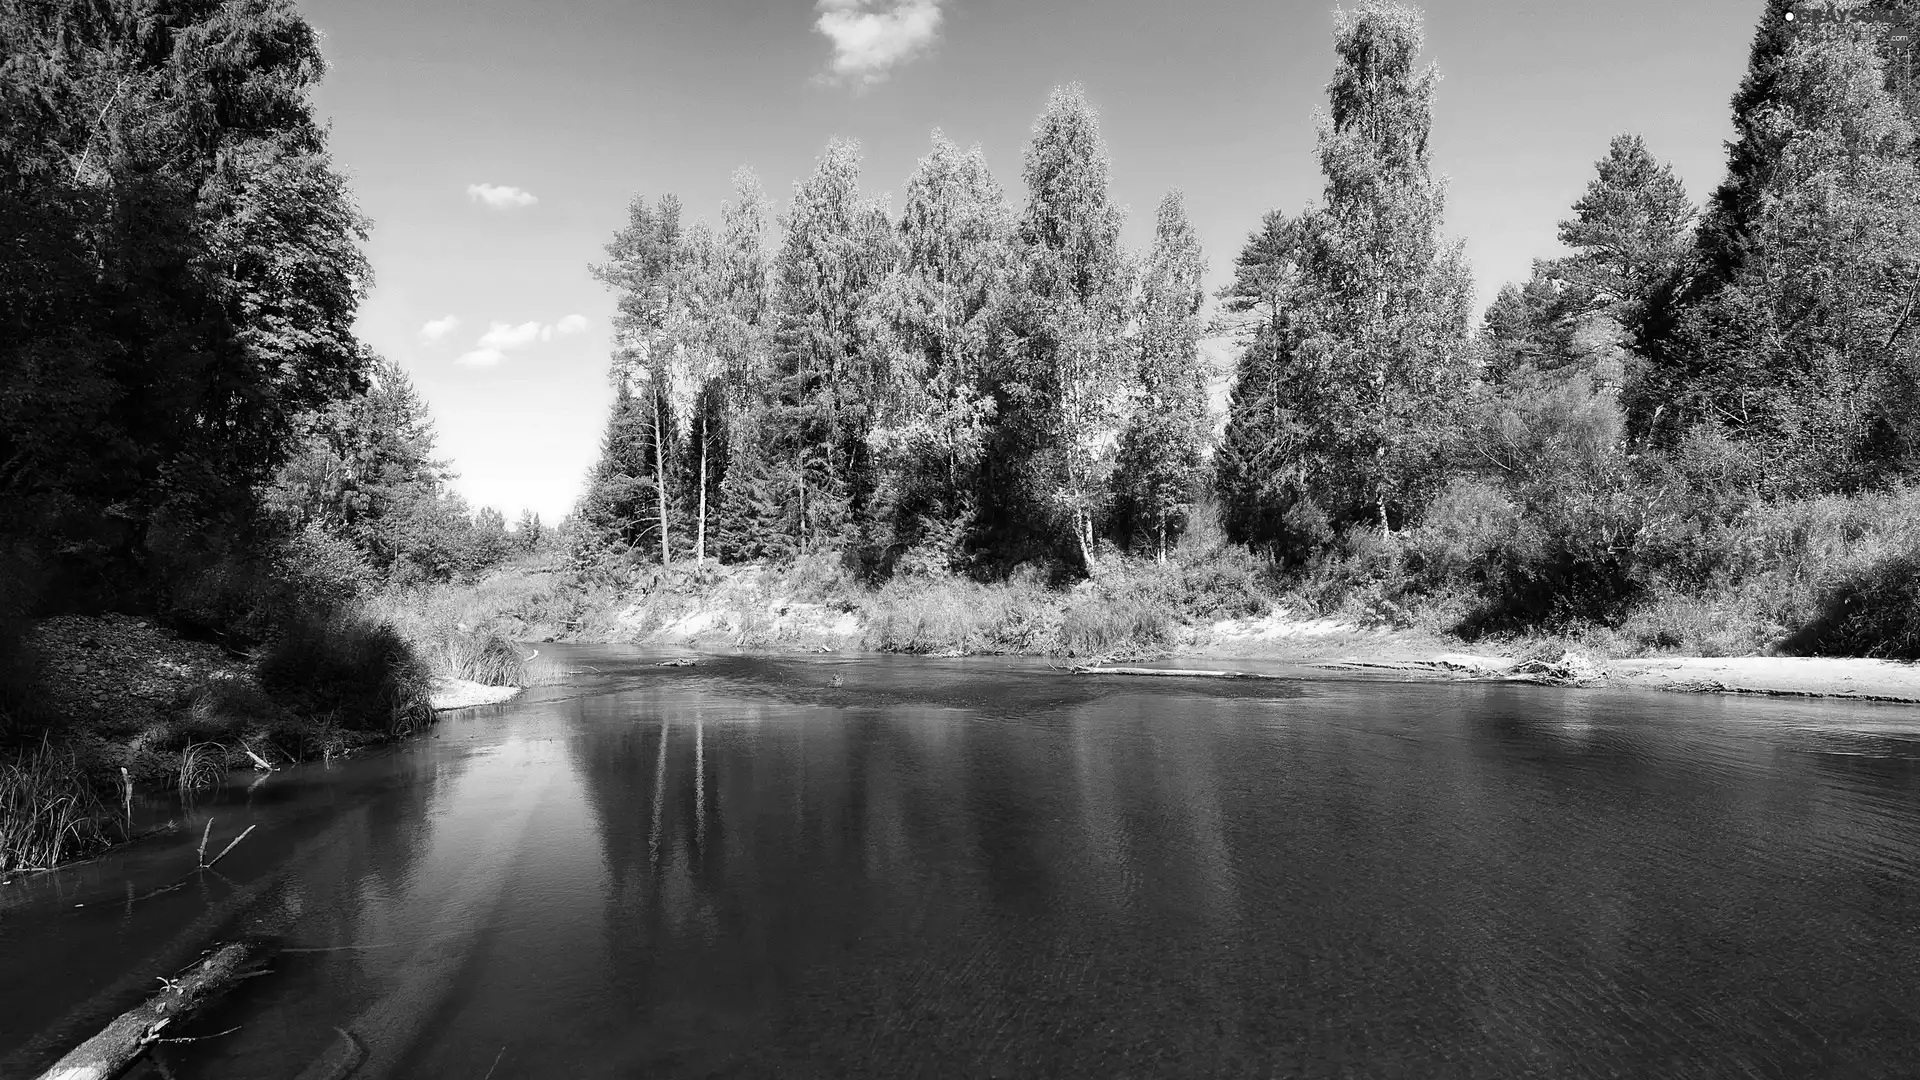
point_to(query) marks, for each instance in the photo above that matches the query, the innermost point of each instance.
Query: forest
(980, 422)
(1695, 430)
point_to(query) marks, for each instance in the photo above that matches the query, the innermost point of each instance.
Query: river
(893, 867)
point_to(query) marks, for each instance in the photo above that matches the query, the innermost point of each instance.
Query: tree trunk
(1163, 537)
(660, 477)
(114, 1048)
(1083, 532)
(700, 527)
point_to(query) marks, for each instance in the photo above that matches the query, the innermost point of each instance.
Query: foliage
(49, 810)
(180, 273)
(1158, 468)
(361, 671)
(1807, 351)
(1059, 396)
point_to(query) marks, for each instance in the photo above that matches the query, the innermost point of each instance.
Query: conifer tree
(1629, 232)
(836, 253)
(1809, 351)
(1257, 467)
(745, 516)
(1161, 449)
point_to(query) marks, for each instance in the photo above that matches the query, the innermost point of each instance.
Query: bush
(1870, 611)
(1465, 529)
(360, 671)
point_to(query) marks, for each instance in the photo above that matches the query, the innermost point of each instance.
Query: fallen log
(121, 1042)
(1191, 673)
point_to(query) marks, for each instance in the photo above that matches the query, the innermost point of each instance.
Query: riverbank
(125, 705)
(1209, 608)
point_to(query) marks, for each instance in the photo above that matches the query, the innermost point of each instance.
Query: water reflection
(746, 869)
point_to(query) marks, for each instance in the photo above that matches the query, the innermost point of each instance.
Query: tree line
(955, 387)
(966, 385)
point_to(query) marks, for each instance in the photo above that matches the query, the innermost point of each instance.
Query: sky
(495, 144)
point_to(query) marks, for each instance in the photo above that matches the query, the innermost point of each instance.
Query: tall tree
(750, 520)
(1165, 438)
(1072, 312)
(646, 269)
(1726, 226)
(179, 270)
(836, 253)
(1257, 467)
(1382, 360)
(945, 307)
(1629, 232)
(1809, 351)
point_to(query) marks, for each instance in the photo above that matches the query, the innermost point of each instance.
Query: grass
(50, 809)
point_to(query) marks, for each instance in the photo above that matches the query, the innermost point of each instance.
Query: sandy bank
(465, 694)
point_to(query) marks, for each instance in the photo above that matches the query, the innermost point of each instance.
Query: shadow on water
(958, 867)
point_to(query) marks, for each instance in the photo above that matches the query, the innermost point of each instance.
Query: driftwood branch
(124, 1040)
(1189, 673)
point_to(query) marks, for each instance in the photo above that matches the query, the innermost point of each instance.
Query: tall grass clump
(360, 671)
(942, 614)
(49, 811)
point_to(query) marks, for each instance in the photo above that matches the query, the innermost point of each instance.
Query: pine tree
(1629, 232)
(1160, 453)
(747, 516)
(1382, 363)
(1072, 300)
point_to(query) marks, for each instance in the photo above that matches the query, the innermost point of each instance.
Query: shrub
(1464, 530)
(359, 670)
(1871, 611)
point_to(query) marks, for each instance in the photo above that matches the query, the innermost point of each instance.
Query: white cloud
(502, 338)
(506, 336)
(499, 196)
(871, 37)
(435, 329)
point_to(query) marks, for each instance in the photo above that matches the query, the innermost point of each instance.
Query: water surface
(986, 868)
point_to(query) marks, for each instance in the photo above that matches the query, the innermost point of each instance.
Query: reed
(49, 811)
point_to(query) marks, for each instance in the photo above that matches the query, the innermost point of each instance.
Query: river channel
(893, 867)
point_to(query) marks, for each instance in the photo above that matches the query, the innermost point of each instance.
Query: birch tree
(645, 271)
(945, 306)
(1074, 300)
(1383, 351)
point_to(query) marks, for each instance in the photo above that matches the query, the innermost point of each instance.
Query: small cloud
(499, 196)
(572, 324)
(871, 37)
(505, 336)
(435, 329)
(481, 357)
